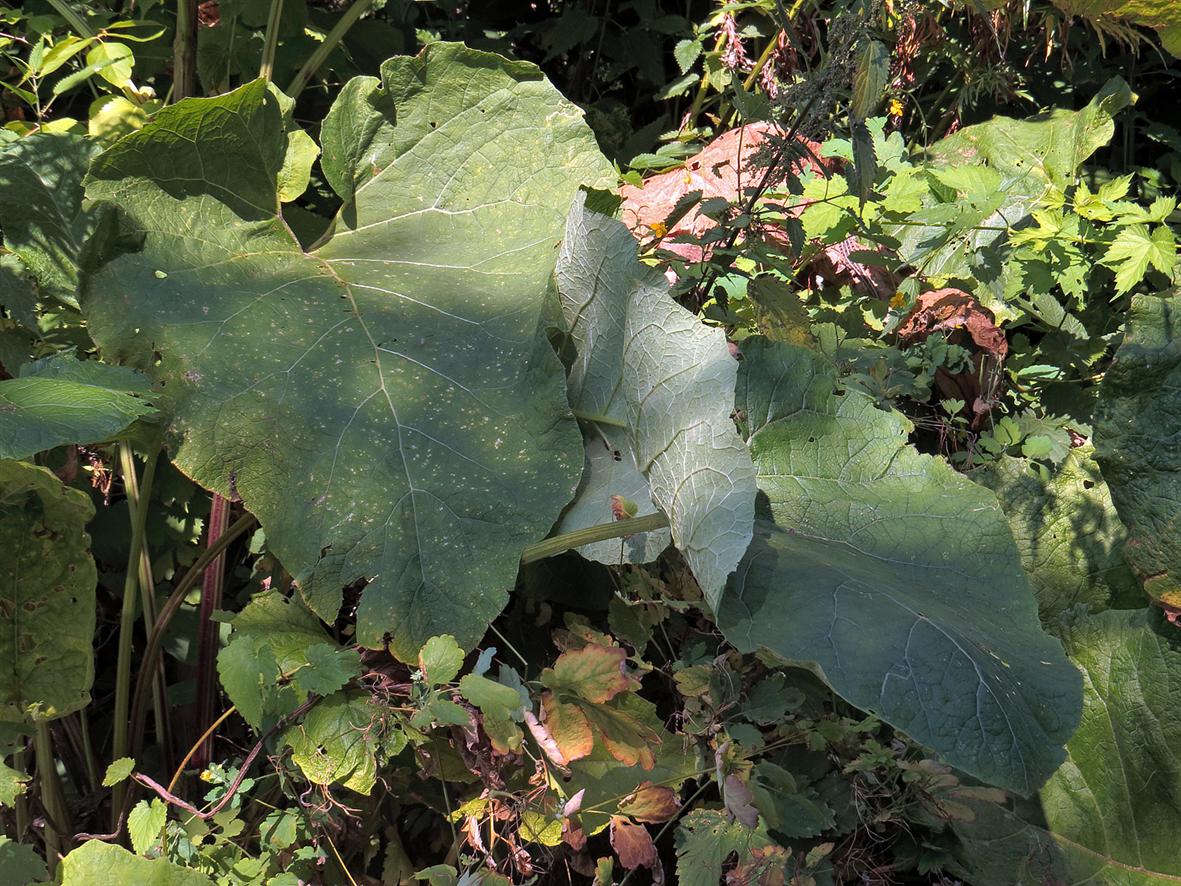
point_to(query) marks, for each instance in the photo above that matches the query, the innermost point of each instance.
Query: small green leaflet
(118, 771)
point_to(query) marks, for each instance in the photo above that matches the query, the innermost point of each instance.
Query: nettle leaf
(661, 386)
(387, 405)
(47, 581)
(892, 576)
(20, 864)
(41, 204)
(1111, 813)
(145, 825)
(1137, 425)
(1070, 538)
(62, 400)
(96, 863)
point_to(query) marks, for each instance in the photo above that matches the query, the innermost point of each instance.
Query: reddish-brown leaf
(633, 844)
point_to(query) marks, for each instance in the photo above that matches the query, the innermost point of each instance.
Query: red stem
(207, 629)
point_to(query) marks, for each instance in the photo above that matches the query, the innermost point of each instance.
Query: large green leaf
(1112, 813)
(1070, 538)
(663, 385)
(47, 580)
(62, 400)
(893, 576)
(95, 863)
(387, 405)
(41, 208)
(1137, 437)
(1137, 441)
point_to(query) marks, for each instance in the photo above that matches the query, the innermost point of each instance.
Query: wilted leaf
(568, 727)
(1137, 425)
(594, 673)
(426, 437)
(1070, 538)
(1111, 814)
(62, 400)
(892, 576)
(633, 844)
(661, 384)
(96, 863)
(47, 580)
(651, 803)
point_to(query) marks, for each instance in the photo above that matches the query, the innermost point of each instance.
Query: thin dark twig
(174, 800)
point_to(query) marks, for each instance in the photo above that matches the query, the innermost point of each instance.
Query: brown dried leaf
(633, 844)
(651, 803)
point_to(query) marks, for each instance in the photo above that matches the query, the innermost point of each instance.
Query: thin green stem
(599, 419)
(20, 764)
(331, 41)
(51, 797)
(131, 583)
(271, 41)
(618, 529)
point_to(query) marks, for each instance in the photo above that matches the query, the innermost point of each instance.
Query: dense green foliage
(613, 442)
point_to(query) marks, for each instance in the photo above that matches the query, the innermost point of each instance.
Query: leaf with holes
(388, 404)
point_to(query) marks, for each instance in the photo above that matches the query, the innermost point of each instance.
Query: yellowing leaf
(594, 673)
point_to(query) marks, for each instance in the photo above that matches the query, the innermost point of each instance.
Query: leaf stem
(232, 709)
(618, 529)
(184, 51)
(599, 419)
(75, 21)
(331, 41)
(207, 634)
(167, 611)
(271, 40)
(51, 798)
(139, 516)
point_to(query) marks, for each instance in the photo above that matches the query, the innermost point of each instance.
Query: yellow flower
(896, 108)
(658, 229)
(898, 301)
(206, 775)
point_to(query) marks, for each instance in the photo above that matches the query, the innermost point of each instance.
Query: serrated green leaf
(662, 382)
(118, 771)
(895, 578)
(328, 669)
(440, 660)
(63, 400)
(1137, 424)
(96, 863)
(1135, 248)
(1111, 813)
(145, 825)
(47, 580)
(1070, 538)
(12, 785)
(427, 438)
(686, 52)
(41, 203)
(869, 78)
(706, 838)
(20, 864)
